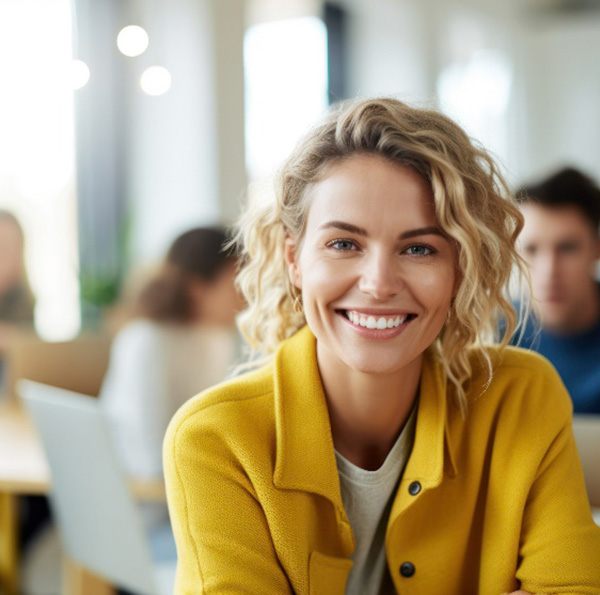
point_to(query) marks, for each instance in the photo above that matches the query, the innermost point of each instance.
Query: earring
(297, 304)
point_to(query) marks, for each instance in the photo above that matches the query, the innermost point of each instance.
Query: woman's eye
(420, 250)
(342, 245)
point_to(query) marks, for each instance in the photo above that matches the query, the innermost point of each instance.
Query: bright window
(285, 66)
(37, 153)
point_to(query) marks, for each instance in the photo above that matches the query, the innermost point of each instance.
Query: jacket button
(414, 488)
(407, 569)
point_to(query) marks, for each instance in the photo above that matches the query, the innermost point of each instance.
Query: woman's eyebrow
(423, 231)
(361, 231)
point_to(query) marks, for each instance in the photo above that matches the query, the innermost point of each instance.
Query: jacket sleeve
(560, 544)
(223, 540)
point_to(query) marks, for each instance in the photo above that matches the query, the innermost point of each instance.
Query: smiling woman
(385, 445)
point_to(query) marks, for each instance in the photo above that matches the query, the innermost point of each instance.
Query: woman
(180, 338)
(383, 447)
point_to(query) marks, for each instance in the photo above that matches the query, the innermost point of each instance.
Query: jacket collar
(432, 452)
(305, 452)
(305, 458)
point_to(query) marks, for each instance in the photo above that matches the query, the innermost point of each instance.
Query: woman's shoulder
(520, 378)
(511, 358)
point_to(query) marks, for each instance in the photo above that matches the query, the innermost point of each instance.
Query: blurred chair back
(587, 435)
(78, 365)
(99, 522)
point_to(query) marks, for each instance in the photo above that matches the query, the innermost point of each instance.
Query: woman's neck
(367, 411)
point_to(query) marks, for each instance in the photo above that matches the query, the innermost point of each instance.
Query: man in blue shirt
(561, 244)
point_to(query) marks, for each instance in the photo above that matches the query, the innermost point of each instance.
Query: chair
(78, 365)
(99, 522)
(587, 436)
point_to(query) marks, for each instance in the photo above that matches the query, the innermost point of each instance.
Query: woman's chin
(368, 364)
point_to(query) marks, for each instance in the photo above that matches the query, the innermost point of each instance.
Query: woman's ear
(291, 258)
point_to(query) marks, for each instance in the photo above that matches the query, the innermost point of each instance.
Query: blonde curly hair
(472, 202)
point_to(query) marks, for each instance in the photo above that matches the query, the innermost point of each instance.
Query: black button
(407, 569)
(414, 488)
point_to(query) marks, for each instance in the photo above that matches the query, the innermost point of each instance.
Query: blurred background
(114, 139)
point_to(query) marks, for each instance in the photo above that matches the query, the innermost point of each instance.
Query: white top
(368, 497)
(154, 368)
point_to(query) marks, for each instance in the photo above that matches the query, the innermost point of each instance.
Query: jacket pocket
(328, 574)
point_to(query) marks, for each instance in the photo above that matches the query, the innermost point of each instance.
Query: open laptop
(98, 519)
(587, 436)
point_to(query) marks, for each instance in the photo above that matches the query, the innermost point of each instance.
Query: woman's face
(218, 301)
(376, 272)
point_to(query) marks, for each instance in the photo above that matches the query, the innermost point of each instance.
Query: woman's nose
(380, 278)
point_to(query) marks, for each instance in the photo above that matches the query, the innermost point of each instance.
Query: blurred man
(561, 244)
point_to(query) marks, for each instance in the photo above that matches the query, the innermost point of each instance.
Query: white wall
(187, 163)
(553, 113)
(561, 75)
(186, 149)
(390, 49)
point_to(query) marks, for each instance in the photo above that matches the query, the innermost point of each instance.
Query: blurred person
(561, 244)
(181, 340)
(386, 445)
(16, 299)
(182, 337)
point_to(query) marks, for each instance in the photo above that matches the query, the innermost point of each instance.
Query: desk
(24, 471)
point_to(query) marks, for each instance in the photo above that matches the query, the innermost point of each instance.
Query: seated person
(16, 299)
(561, 244)
(181, 339)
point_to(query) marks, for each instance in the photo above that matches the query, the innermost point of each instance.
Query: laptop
(99, 521)
(587, 436)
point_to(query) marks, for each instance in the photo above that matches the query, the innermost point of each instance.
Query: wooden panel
(80, 581)
(9, 560)
(77, 365)
(23, 466)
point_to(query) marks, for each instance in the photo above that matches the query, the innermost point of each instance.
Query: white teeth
(371, 322)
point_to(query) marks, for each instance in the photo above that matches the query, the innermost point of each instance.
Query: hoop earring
(297, 304)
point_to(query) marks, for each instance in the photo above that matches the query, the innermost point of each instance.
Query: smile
(377, 322)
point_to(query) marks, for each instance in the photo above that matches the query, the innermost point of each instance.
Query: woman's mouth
(386, 324)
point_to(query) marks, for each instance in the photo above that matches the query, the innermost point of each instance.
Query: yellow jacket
(499, 498)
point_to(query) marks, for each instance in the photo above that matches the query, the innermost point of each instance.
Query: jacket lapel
(431, 449)
(432, 454)
(305, 457)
